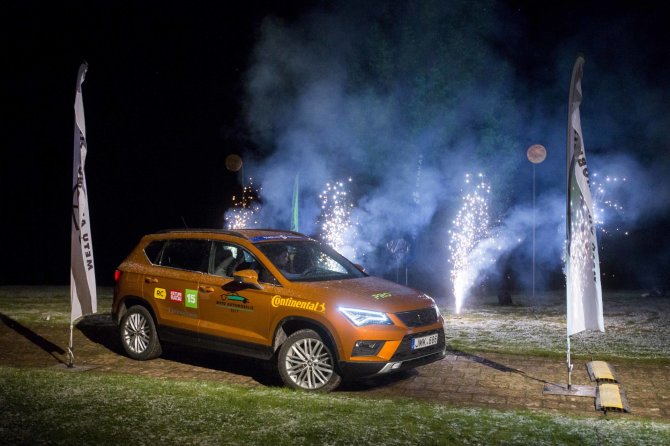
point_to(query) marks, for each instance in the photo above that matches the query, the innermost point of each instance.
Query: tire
(306, 362)
(138, 334)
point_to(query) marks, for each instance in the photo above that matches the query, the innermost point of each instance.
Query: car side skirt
(216, 343)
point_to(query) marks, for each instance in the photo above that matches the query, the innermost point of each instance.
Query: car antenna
(183, 221)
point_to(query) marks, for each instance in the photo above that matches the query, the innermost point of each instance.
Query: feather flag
(584, 292)
(83, 295)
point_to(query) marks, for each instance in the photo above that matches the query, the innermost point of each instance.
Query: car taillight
(117, 275)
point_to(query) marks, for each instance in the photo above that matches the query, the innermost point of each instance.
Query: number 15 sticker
(191, 300)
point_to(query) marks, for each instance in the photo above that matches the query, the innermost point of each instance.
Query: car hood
(369, 293)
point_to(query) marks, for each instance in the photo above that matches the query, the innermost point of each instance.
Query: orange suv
(274, 295)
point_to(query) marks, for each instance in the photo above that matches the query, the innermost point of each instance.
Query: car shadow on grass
(263, 372)
(100, 329)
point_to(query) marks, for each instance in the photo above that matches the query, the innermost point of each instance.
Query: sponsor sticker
(174, 310)
(159, 293)
(278, 301)
(381, 295)
(176, 296)
(191, 298)
(235, 303)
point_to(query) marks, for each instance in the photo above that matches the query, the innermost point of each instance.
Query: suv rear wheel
(138, 334)
(306, 362)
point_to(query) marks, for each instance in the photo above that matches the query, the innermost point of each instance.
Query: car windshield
(308, 261)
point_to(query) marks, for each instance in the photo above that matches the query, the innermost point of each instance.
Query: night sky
(403, 98)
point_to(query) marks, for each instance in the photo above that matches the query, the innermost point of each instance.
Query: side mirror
(360, 268)
(247, 277)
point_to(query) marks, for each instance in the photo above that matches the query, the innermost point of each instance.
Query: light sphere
(233, 163)
(536, 153)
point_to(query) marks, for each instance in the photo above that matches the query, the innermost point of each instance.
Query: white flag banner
(584, 292)
(83, 295)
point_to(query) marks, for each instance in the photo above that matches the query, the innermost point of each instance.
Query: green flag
(295, 214)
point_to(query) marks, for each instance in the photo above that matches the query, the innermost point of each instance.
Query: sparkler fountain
(471, 226)
(335, 220)
(602, 204)
(244, 213)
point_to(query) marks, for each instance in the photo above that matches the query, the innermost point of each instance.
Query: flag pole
(568, 155)
(70, 349)
(569, 365)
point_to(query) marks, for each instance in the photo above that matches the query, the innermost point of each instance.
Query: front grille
(405, 352)
(418, 318)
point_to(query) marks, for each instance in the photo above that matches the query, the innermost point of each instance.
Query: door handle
(206, 289)
(150, 280)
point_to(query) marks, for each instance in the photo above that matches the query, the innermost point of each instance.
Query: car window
(307, 261)
(153, 250)
(224, 259)
(228, 258)
(191, 255)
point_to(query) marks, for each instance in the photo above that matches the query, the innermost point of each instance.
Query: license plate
(424, 341)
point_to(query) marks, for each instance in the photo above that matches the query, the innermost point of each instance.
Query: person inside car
(224, 259)
(284, 264)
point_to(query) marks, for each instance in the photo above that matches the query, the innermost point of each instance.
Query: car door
(238, 313)
(172, 285)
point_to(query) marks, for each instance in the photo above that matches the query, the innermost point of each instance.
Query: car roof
(253, 235)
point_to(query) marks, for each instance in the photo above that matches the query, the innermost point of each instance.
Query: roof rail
(203, 230)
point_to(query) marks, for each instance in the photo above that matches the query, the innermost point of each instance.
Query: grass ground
(636, 327)
(49, 406)
(53, 407)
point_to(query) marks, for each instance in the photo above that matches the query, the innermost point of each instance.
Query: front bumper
(404, 358)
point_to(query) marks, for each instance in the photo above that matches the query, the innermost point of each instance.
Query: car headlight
(365, 317)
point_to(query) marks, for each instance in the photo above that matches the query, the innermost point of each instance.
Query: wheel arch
(130, 301)
(291, 324)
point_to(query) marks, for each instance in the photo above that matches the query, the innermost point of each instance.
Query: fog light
(367, 348)
(390, 366)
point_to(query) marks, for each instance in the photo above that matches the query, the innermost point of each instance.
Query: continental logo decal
(159, 293)
(278, 301)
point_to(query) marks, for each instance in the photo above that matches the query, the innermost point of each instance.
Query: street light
(536, 154)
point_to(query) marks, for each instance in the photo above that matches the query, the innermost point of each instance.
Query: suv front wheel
(138, 334)
(306, 362)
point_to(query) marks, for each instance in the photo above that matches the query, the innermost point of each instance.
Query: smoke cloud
(406, 98)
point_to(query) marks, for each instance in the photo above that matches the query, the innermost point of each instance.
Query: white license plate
(424, 341)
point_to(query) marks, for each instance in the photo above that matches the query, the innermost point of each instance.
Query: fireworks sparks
(244, 213)
(335, 221)
(605, 208)
(470, 227)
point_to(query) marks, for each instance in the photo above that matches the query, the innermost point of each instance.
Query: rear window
(191, 255)
(153, 251)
